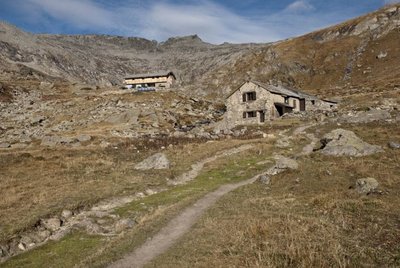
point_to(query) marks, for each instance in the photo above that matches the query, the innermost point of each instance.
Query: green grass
(151, 213)
(64, 253)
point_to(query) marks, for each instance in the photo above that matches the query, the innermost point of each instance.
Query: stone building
(150, 81)
(255, 102)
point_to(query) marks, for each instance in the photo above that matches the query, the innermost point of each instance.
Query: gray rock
(50, 141)
(130, 117)
(340, 142)
(394, 145)
(37, 119)
(83, 138)
(366, 185)
(156, 161)
(264, 179)
(123, 224)
(52, 224)
(366, 116)
(21, 246)
(4, 145)
(382, 54)
(282, 163)
(285, 163)
(149, 192)
(282, 143)
(3, 250)
(66, 214)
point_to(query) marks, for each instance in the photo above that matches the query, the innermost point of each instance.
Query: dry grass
(306, 218)
(39, 183)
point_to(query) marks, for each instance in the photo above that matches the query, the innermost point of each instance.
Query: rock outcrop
(340, 142)
(156, 161)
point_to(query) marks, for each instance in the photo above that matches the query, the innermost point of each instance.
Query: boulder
(156, 161)
(123, 224)
(282, 163)
(66, 214)
(363, 117)
(83, 138)
(366, 185)
(340, 142)
(394, 145)
(264, 179)
(5, 145)
(52, 224)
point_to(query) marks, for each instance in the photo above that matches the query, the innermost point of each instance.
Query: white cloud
(300, 6)
(160, 20)
(391, 1)
(212, 22)
(79, 13)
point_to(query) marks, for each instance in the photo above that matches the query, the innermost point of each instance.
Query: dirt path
(197, 167)
(182, 223)
(176, 228)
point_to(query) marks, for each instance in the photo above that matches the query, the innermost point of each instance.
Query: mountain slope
(360, 54)
(106, 60)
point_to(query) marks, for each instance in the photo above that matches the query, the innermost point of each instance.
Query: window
(249, 96)
(251, 114)
(244, 115)
(313, 102)
(287, 100)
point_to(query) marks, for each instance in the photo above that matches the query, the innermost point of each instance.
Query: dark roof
(283, 104)
(150, 75)
(280, 90)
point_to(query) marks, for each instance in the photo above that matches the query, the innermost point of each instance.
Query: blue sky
(215, 21)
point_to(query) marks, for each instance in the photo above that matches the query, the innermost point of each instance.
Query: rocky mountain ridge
(105, 60)
(345, 57)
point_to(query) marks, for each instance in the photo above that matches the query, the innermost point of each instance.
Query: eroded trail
(182, 223)
(176, 228)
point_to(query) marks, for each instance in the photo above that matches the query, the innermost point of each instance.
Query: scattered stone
(36, 120)
(285, 163)
(3, 251)
(149, 192)
(283, 143)
(340, 142)
(83, 138)
(156, 161)
(382, 54)
(366, 185)
(264, 179)
(394, 145)
(41, 236)
(123, 224)
(363, 117)
(52, 224)
(21, 246)
(140, 195)
(66, 214)
(282, 163)
(4, 145)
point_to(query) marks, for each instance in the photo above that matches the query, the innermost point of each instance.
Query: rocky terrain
(80, 155)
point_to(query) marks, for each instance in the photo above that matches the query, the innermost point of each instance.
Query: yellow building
(150, 81)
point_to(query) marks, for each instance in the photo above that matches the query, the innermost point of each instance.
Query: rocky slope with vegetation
(89, 171)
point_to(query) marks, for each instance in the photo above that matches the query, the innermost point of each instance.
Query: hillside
(360, 55)
(91, 174)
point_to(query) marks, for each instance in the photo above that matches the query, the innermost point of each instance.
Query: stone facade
(156, 81)
(256, 103)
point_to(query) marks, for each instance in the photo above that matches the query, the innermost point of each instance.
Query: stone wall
(264, 102)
